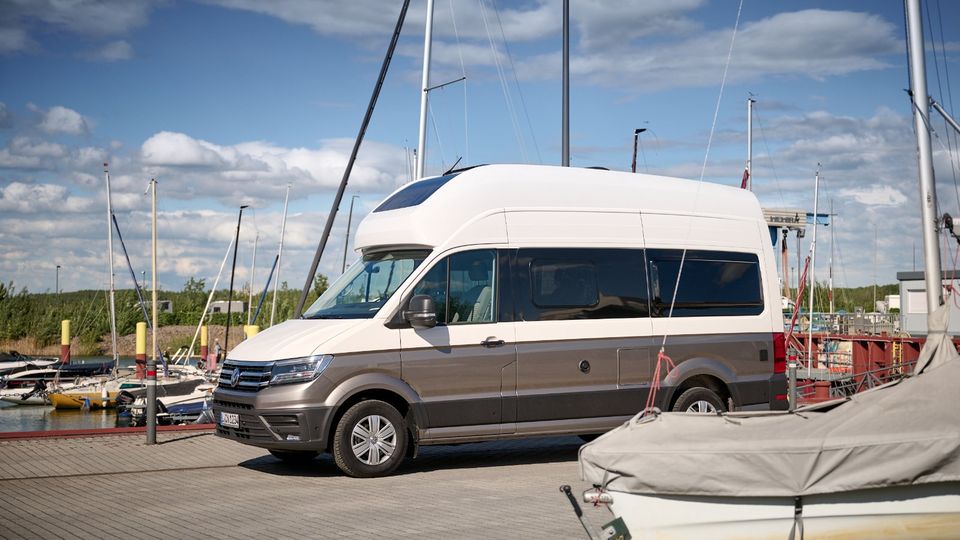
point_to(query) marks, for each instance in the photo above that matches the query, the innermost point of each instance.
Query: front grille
(254, 376)
(232, 404)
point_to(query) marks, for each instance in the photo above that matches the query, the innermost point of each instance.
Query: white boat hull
(921, 512)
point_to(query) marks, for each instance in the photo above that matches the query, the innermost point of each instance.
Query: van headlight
(298, 370)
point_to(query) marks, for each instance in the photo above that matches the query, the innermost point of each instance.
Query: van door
(457, 366)
(583, 335)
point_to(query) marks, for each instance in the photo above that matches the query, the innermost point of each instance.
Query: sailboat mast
(830, 283)
(152, 364)
(424, 92)
(113, 307)
(253, 273)
(565, 114)
(276, 284)
(813, 266)
(928, 193)
(750, 102)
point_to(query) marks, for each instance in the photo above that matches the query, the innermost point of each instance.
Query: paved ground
(194, 485)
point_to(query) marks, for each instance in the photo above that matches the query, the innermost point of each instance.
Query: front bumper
(287, 428)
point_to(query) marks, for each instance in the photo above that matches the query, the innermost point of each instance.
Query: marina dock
(195, 485)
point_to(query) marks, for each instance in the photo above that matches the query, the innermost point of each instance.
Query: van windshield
(366, 286)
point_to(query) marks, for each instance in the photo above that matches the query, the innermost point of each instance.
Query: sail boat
(100, 393)
(884, 463)
(97, 393)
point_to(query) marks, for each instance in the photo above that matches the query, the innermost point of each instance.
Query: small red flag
(746, 176)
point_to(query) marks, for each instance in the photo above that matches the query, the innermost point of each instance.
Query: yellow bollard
(65, 341)
(251, 330)
(204, 344)
(141, 349)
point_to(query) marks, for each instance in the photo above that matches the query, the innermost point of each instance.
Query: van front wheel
(370, 440)
(699, 400)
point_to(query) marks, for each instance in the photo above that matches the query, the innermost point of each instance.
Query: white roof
(495, 188)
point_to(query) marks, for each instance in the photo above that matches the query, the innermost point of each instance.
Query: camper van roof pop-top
(454, 208)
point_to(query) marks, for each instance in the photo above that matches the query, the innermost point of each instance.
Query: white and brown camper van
(517, 301)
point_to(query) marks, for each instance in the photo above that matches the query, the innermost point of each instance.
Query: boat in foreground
(884, 463)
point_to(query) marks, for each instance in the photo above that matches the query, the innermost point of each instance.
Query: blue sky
(226, 101)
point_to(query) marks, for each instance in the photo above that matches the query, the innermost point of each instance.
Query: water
(46, 418)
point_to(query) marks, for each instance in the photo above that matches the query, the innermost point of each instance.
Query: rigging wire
(946, 65)
(436, 133)
(706, 156)
(936, 66)
(516, 81)
(766, 147)
(511, 110)
(463, 73)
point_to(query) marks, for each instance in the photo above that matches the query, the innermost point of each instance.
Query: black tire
(590, 437)
(699, 400)
(294, 456)
(375, 458)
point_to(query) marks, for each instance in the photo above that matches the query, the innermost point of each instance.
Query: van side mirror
(421, 312)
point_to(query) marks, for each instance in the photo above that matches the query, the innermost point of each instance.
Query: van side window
(472, 298)
(463, 287)
(572, 283)
(563, 284)
(712, 283)
(434, 285)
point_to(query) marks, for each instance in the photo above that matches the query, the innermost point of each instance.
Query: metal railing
(848, 323)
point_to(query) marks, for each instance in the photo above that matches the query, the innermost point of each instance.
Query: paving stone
(195, 485)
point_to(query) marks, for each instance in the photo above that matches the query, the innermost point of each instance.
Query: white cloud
(245, 171)
(59, 119)
(875, 195)
(14, 39)
(112, 52)
(606, 26)
(811, 43)
(6, 118)
(26, 153)
(90, 157)
(338, 18)
(32, 198)
(96, 18)
(177, 149)
(88, 17)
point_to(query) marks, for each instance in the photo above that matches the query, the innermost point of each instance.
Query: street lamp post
(636, 137)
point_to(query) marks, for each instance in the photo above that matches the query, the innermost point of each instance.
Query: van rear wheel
(699, 400)
(370, 440)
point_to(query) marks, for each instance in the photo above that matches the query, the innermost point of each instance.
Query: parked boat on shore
(103, 395)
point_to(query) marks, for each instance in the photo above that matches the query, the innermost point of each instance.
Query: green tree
(195, 286)
(320, 285)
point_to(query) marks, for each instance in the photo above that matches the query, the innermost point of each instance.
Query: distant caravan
(510, 301)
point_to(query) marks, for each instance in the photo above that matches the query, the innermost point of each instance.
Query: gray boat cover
(901, 433)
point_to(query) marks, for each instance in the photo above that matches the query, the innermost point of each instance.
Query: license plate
(229, 419)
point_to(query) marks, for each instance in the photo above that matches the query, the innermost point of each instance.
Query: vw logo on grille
(235, 377)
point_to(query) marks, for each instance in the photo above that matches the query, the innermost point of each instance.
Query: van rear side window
(711, 283)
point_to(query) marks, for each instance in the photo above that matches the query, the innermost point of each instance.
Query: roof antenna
(454, 166)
